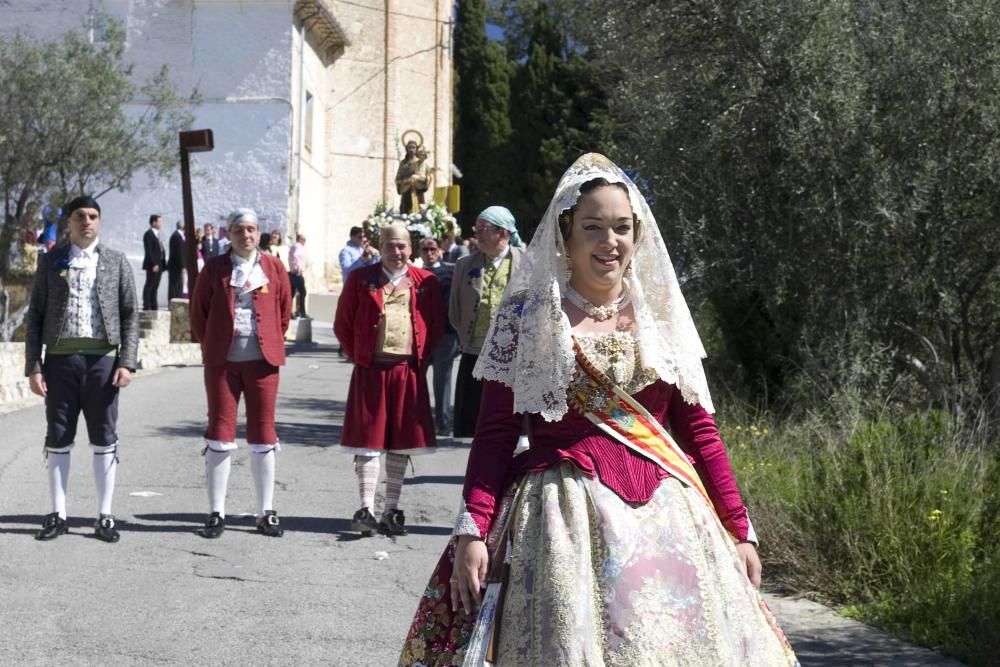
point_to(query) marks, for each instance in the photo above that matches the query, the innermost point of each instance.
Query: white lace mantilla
(529, 346)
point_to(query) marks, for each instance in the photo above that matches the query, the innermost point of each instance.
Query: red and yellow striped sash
(630, 424)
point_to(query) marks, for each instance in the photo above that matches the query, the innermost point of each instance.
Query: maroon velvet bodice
(575, 439)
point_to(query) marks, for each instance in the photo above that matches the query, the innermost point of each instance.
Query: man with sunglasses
(443, 357)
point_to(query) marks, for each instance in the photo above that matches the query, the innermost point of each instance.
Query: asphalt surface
(320, 595)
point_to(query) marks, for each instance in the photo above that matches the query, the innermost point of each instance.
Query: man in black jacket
(209, 242)
(82, 314)
(175, 264)
(152, 263)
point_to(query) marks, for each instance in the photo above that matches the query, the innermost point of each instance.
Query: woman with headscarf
(478, 284)
(619, 537)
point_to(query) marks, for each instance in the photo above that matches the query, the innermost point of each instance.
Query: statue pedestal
(299, 330)
(180, 321)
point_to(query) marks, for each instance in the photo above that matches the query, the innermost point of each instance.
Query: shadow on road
(188, 429)
(35, 522)
(187, 522)
(308, 435)
(326, 407)
(311, 351)
(292, 434)
(86, 525)
(436, 479)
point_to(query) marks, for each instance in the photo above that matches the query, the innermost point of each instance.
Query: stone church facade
(307, 99)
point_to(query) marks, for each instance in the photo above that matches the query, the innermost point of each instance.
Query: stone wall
(155, 351)
(13, 384)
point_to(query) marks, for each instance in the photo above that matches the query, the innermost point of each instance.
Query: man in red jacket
(240, 311)
(389, 319)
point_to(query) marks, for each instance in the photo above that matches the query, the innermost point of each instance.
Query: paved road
(317, 596)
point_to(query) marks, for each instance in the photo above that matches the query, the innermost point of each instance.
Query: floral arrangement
(432, 220)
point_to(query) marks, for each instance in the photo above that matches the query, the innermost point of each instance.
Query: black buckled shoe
(214, 526)
(269, 524)
(364, 522)
(392, 523)
(53, 526)
(104, 529)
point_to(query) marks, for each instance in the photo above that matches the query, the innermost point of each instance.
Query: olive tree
(827, 174)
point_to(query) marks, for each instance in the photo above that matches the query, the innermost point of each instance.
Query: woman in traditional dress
(619, 537)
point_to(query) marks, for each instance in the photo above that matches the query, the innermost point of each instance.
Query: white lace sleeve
(464, 523)
(751, 533)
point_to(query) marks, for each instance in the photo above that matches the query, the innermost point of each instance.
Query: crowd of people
(209, 243)
(616, 536)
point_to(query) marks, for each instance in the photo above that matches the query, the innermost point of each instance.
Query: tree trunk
(9, 323)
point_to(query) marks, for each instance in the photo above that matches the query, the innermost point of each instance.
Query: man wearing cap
(477, 286)
(389, 320)
(83, 313)
(240, 311)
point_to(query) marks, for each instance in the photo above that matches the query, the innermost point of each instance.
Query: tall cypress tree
(557, 114)
(482, 112)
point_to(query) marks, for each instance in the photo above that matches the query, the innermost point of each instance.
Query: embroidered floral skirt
(595, 581)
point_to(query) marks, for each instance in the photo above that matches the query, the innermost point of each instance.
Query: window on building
(307, 138)
(96, 25)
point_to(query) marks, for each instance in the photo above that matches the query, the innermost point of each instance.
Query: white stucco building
(307, 100)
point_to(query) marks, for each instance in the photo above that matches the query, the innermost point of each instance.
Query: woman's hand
(468, 579)
(751, 561)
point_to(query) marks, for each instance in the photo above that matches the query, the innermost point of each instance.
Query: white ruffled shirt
(83, 309)
(394, 278)
(247, 276)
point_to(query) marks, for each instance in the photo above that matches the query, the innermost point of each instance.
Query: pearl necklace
(599, 313)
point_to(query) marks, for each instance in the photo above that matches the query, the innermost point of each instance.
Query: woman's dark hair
(566, 217)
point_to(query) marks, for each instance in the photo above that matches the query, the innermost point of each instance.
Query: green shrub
(893, 517)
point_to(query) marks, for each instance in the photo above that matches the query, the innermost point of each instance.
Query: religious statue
(413, 178)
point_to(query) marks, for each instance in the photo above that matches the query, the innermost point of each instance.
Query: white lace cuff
(464, 523)
(751, 533)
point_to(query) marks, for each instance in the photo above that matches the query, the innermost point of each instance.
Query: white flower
(421, 229)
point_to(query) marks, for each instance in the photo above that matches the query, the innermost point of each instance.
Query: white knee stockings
(367, 470)
(105, 463)
(262, 465)
(395, 468)
(105, 469)
(58, 464)
(217, 467)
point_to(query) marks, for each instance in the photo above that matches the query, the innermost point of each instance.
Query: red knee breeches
(257, 382)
